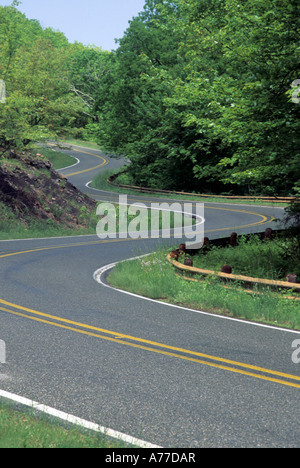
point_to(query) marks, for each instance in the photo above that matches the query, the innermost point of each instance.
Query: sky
(91, 22)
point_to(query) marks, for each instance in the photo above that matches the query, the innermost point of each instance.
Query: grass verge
(154, 277)
(24, 429)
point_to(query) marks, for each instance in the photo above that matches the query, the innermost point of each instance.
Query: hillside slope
(31, 191)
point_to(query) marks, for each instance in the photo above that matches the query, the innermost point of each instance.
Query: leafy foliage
(35, 67)
(198, 95)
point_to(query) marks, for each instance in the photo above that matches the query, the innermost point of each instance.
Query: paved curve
(167, 375)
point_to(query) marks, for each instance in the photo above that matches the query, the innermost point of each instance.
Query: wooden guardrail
(230, 277)
(111, 180)
(225, 276)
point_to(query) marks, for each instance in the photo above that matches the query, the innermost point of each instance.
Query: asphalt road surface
(170, 376)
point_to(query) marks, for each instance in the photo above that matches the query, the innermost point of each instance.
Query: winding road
(165, 375)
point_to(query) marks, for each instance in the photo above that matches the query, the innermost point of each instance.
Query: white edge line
(69, 167)
(97, 277)
(75, 420)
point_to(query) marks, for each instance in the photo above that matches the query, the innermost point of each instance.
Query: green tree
(90, 68)
(34, 65)
(249, 58)
(133, 113)
(199, 96)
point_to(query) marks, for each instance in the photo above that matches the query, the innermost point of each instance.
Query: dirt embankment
(33, 190)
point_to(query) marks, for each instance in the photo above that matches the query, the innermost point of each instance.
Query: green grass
(260, 259)
(24, 429)
(58, 159)
(100, 182)
(12, 227)
(155, 277)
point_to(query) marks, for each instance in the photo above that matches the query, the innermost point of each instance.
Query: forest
(199, 95)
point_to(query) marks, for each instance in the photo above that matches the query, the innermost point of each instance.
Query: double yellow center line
(104, 161)
(143, 344)
(152, 346)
